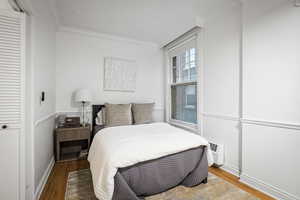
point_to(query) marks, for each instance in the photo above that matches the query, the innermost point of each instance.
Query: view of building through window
(184, 87)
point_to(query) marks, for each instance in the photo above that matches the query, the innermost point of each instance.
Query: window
(183, 86)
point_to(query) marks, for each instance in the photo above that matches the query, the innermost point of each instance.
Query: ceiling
(157, 21)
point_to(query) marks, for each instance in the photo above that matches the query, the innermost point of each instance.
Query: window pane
(174, 69)
(193, 74)
(184, 103)
(184, 66)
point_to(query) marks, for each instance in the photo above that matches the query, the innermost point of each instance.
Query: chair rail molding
(275, 124)
(45, 118)
(259, 122)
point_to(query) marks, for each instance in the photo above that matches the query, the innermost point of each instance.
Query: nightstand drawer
(72, 135)
(84, 135)
(67, 135)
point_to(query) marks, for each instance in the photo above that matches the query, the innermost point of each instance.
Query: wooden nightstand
(69, 142)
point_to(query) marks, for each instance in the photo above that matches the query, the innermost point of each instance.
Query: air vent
(218, 153)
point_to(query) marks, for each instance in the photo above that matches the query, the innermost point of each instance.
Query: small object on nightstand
(72, 122)
(60, 121)
(72, 143)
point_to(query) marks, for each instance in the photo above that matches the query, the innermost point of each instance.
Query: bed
(136, 161)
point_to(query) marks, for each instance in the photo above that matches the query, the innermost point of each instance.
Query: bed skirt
(188, 168)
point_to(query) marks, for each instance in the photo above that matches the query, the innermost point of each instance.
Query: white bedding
(123, 146)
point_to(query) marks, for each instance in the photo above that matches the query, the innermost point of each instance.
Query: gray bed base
(188, 168)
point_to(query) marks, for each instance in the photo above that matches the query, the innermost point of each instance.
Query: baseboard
(43, 180)
(267, 188)
(230, 169)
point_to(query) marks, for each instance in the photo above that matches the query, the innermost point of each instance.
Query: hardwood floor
(235, 181)
(56, 184)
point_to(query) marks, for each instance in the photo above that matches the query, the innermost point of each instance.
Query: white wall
(80, 60)
(42, 27)
(271, 85)
(271, 117)
(221, 83)
(44, 37)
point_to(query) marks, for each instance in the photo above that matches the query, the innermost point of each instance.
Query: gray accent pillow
(142, 113)
(118, 114)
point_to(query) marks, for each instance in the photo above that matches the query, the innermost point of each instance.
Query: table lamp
(83, 96)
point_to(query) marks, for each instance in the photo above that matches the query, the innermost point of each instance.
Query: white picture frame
(119, 74)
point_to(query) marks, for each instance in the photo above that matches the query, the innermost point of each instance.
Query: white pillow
(100, 119)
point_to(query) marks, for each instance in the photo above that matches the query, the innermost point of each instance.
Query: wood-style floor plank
(56, 184)
(235, 181)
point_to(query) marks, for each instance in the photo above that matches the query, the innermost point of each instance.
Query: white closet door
(10, 104)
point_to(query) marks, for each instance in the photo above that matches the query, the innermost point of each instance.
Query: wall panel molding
(220, 116)
(268, 123)
(258, 122)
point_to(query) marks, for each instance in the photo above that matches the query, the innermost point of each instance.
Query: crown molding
(84, 32)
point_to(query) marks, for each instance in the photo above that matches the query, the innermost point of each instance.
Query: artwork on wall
(119, 74)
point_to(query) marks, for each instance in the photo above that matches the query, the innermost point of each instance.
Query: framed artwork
(119, 74)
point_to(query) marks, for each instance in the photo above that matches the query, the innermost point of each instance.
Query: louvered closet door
(10, 104)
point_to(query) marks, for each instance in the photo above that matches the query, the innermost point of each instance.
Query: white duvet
(123, 146)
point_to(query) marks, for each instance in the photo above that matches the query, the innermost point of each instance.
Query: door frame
(22, 135)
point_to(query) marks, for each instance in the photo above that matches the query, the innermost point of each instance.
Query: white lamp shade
(83, 95)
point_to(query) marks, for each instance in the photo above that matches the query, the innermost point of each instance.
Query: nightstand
(69, 142)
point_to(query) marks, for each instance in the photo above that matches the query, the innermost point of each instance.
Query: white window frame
(193, 34)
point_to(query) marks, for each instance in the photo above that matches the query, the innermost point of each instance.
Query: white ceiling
(158, 21)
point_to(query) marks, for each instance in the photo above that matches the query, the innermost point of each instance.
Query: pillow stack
(125, 114)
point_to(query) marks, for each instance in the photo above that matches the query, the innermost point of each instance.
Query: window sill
(184, 125)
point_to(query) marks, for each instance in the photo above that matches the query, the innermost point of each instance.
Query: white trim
(192, 34)
(219, 116)
(241, 83)
(83, 32)
(89, 111)
(178, 44)
(182, 39)
(200, 83)
(259, 122)
(22, 142)
(44, 180)
(260, 185)
(37, 122)
(268, 123)
(184, 83)
(231, 169)
(267, 188)
(184, 125)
